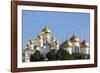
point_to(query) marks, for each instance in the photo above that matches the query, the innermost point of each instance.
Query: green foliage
(51, 55)
(60, 54)
(80, 56)
(37, 56)
(63, 55)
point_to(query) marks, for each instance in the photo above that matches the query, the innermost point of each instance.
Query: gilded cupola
(74, 38)
(30, 40)
(46, 30)
(84, 44)
(69, 44)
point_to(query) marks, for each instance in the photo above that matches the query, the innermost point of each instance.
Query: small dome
(55, 40)
(30, 41)
(69, 44)
(40, 37)
(46, 30)
(84, 44)
(74, 38)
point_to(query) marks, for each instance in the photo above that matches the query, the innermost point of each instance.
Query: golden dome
(69, 44)
(84, 44)
(74, 38)
(46, 30)
(30, 40)
(40, 37)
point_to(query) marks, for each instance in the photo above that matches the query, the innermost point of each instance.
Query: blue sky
(61, 24)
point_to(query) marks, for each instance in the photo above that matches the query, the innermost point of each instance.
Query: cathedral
(45, 42)
(74, 45)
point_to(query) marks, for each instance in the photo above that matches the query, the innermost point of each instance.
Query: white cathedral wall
(31, 46)
(77, 50)
(27, 59)
(87, 51)
(36, 42)
(39, 49)
(81, 50)
(46, 49)
(84, 50)
(27, 56)
(28, 53)
(48, 37)
(57, 46)
(41, 42)
(68, 50)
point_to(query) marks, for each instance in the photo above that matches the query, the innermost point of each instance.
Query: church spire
(46, 30)
(30, 40)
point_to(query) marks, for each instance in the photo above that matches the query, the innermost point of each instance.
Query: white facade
(43, 43)
(85, 50)
(28, 53)
(84, 47)
(48, 38)
(31, 46)
(46, 49)
(76, 47)
(46, 42)
(40, 42)
(68, 50)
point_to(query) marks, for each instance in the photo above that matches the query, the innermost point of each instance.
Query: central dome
(74, 38)
(46, 30)
(69, 44)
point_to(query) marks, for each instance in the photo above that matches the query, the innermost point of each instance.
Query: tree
(80, 56)
(51, 55)
(63, 55)
(37, 56)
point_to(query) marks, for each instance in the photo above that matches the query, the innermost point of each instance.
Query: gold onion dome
(84, 44)
(69, 44)
(40, 37)
(74, 38)
(30, 41)
(46, 30)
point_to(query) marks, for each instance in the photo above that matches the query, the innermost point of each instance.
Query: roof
(84, 44)
(45, 29)
(74, 38)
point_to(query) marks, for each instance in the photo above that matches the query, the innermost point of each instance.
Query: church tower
(40, 40)
(46, 34)
(28, 53)
(85, 47)
(54, 43)
(76, 43)
(68, 46)
(30, 43)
